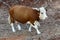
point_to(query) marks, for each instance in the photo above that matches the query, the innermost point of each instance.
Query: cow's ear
(36, 10)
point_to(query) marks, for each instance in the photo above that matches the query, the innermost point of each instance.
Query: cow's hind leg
(12, 26)
(11, 22)
(18, 25)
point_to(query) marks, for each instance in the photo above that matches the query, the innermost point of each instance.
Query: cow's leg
(30, 26)
(11, 22)
(36, 24)
(12, 26)
(36, 27)
(18, 25)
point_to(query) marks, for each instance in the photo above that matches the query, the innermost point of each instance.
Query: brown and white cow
(24, 14)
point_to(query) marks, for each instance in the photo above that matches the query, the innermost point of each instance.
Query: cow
(25, 14)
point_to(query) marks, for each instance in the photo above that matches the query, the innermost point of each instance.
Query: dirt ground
(49, 27)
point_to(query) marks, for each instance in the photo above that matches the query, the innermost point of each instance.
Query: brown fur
(23, 14)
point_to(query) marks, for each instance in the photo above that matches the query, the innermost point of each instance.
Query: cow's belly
(21, 20)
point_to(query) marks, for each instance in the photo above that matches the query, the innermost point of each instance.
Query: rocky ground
(49, 28)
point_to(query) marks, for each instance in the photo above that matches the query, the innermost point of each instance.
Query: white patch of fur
(9, 20)
(44, 15)
(36, 9)
(30, 27)
(37, 23)
(28, 22)
(19, 27)
(12, 26)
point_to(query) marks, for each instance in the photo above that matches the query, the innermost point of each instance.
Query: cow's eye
(41, 13)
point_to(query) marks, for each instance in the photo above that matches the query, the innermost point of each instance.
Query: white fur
(44, 15)
(12, 26)
(9, 20)
(37, 23)
(28, 22)
(36, 9)
(30, 27)
(19, 27)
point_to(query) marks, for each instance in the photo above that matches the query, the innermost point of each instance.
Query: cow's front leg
(36, 25)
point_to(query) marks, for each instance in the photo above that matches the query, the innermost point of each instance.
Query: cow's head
(43, 14)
